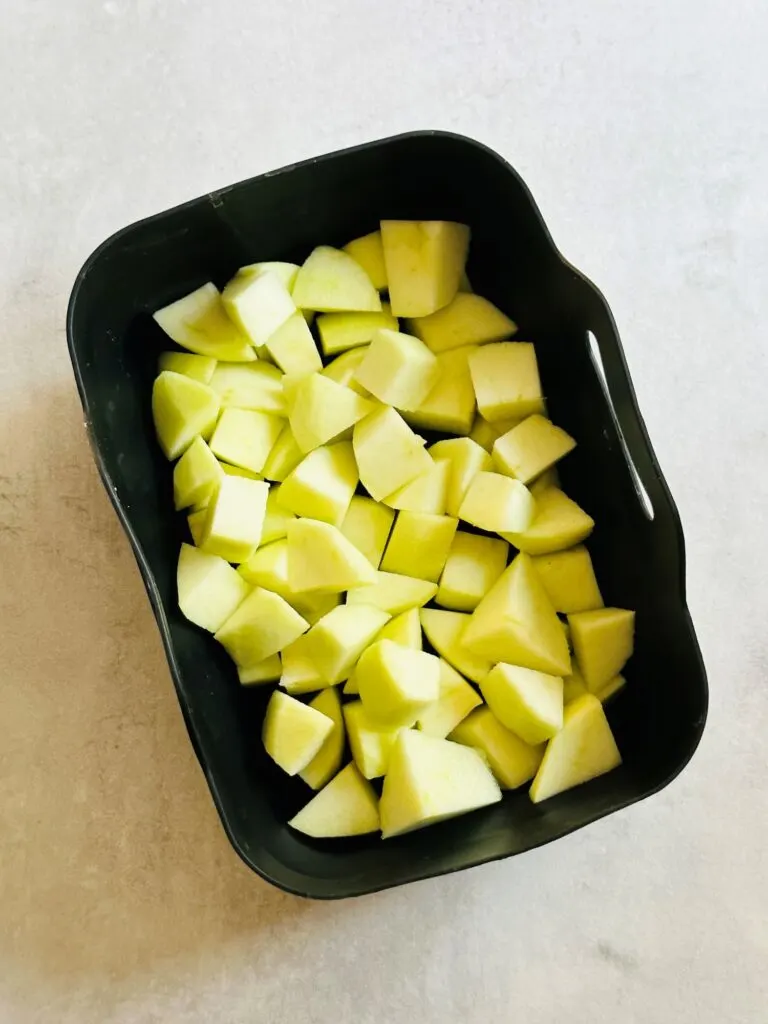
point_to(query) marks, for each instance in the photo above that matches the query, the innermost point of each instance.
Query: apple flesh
(330, 280)
(367, 525)
(322, 485)
(559, 523)
(337, 641)
(197, 367)
(404, 629)
(209, 589)
(263, 624)
(419, 545)
(369, 253)
(457, 698)
(394, 593)
(321, 559)
(370, 742)
(497, 503)
(603, 641)
(182, 409)
(424, 262)
(528, 703)
(450, 404)
(468, 320)
(513, 762)
(473, 565)
(253, 386)
(293, 733)
(347, 806)
(293, 348)
(505, 376)
(531, 447)
(199, 323)
(398, 369)
(327, 761)
(466, 459)
(340, 332)
(320, 409)
(234, 518)
(245, 438)
(388, 453)
(445, 631)
(284, 456)
(397, 683)
(569, 580)
(428, 492)
(265, 671)
(195, 476)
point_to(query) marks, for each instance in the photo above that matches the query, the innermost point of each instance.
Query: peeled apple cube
(293, 732)
(582, 750)
(276, 519)
(209, 588)
(182, 409)
(467, 459)
(397, 683)
(266, 671)
(450, 405)
(299, 672)
(559, 523)
(343, 368)
(611, 689)
(321, 559)
(342, 331)
(485, 433)
(331, 281)
(199, 323)
(505, 376)
(394, 593)
(293, 348)
(468, 320)
(531, 447)
(419, 545)
(369, 253)
(245, 437)
(347, 806)
(198, 367)
(389, 454)
(268, 567)
(367, 524)
(424, 261)
(327, 761)
(445, 631)
(569, 580)
(322, 485)
(573, 685)
(427, 492)
(340, 637)
(457, 698)
(313, 607)
(527, 702)
(370, 742)
(320, 409)
(262, 625)
(239, 471)
(234, 518)
(196, 521)
(603, 641)
(253, 386)
(398, 370)
(474, 564)
(548, 479)
(497, 503)
(195, 476)
(404, 629)
(258, 305)
(513, 762)
(431, 779)
(285, 272)
(284, 456)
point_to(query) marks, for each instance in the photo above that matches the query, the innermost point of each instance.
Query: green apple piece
(549, 478)
(468, 320)
(209, 588)
(394, 593)
(445, 631)
(559, 523)
(293, 733)
(367, 525)
(322, 485)
(259, 305)
(419, 545)
(327, 761)
(196, 523)
(389, 454)
(531, 447)
(239, 471)
(197, 367)
(370, 742)
(336, 642)
(234, 518)
(265, 671)
(331, 281)
(611, 689)
(369, 253)
(284, 457)
(529, 703)
(199, 323)
(397, 683)
(276, 519)
(428, 492)
(424, 261)
(262, 625)
(319, 409)
(505, 376)
(321, 559)
(346, 806)
(467, 459)
(313, 607)
(450, 405)
(431, 779)
(268, 567)
(286, 272)
(573, 685)
(404, 629)
(457, 698)
(603, 642)
(569, 580)
(342, 331)
(343, 368)
(245, 437)
(182, 409)
(398, 369)
(195, 476)
(582, 750)
(486, 434)
(300, 674)
(474, 564)
(293, 348)
(513, 762)
(255, 386)
(497, 503)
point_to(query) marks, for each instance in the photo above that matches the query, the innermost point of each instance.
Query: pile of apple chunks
(352, 538)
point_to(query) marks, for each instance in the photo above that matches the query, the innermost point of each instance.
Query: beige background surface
(641, 129)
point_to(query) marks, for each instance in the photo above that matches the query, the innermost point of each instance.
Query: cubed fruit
(265, 671)
(195, 476)
(182, 409)
(569, 580)
(428, 492)
(284, 457)
(419, 545)
(340, 637)
(234, 518)
(293, 732)
(474, 564)
(603, 641)
(397, 683)
(258, 305)
(239, 471)
(343, 368)
(573, 685)
(485, 433)
(457, 698)
(196, 522)
(445, 631)
(209, 588)
(293, 348)
(389, 454)
(468, 320)
(342, 331)
(321, 559)
(369, 253)
(370, 742)
(394, 593)
(268, 567)
(513, 762)
(424, 261)
(199, 323)
(450, 405)
(516, 623)
(322, 485)
(327, 760)
(527, 702)
(398, 369)
(467, 459)
(531, 447)
(300, 674)
(262, 625)
(559, 523)
(431, 779)
(367, 525)
(505, 376)
(611, 689)
(404, 629)
(497, 503)
(583, 749)
(549, 478)
(331, 281)
(313, 607)
(255, 386)
(346, 806)
(320, 409)
(245, 437)
(198, 367)
(276, 519)
(285, 272)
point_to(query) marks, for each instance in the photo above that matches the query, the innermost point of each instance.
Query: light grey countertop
(642, 130)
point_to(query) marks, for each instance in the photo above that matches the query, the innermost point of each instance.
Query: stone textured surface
(641, 128)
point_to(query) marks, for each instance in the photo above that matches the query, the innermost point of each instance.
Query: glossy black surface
(637, 547)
